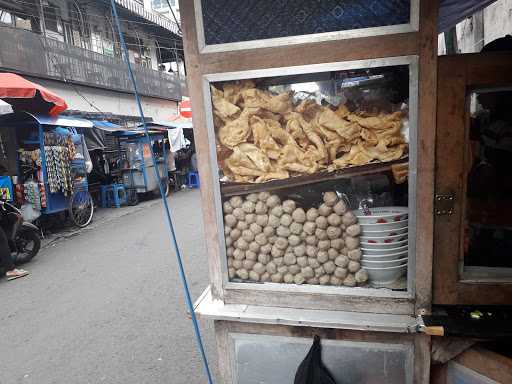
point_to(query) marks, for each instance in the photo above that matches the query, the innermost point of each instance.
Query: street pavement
(106, 305)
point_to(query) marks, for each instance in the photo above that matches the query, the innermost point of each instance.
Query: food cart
(138, 173)
(50, 165)
(179, 135)
(330, 157)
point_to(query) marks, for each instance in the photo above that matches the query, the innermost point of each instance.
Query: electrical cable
(174, 16)
(179, 260)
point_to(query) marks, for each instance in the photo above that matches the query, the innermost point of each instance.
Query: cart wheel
(133, 197)
(81, 208)
(167, 189)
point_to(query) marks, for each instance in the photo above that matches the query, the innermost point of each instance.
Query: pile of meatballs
(269, 240)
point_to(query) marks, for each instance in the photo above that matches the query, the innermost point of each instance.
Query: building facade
(72, 48)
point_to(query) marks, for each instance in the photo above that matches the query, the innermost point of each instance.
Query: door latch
(444, 205)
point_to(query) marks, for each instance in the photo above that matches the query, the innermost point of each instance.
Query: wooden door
(460, 163)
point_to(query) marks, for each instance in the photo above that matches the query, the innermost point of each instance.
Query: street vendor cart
(138, 173)
(334, 202)
(50, 165)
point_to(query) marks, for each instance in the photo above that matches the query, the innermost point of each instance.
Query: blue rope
(181, 269)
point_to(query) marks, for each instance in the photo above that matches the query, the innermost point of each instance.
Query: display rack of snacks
(300, 125)
(281, 143)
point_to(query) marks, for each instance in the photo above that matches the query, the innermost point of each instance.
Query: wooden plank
(224, 351)
(438, 374)
(450, 146)
(202, 144)
(230, 189)
(487, 363)
(426, 155)
(207, 307)
(311, 53)
(324, 333)
(320, 301)
(489, 69)
(422, 347)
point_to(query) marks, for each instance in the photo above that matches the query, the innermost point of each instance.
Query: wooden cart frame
(301, 56)
(417, 40)
(458, 75)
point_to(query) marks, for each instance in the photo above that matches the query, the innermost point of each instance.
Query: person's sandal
(16, 274)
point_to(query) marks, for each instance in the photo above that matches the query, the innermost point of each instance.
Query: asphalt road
(107, 306)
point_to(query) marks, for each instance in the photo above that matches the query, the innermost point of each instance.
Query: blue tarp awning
(62, 121)
(452, 12)
(57, 121)
(164, 125)
(107, 126)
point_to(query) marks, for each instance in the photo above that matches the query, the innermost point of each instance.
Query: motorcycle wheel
(28, 244)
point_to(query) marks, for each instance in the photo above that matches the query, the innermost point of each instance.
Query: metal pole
(181, 268)
(177, 60)
(43, 21)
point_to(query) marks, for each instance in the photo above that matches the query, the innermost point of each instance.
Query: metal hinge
(444, 204)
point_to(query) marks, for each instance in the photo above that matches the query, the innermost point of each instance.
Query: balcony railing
(31, 54)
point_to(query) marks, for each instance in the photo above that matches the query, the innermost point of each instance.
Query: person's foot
(16, 274)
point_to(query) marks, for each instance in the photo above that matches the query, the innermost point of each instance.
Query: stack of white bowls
(384, 244)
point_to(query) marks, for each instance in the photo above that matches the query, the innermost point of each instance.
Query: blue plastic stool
(113, 195)
(193, 180)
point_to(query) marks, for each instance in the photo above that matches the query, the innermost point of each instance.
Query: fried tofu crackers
(267, 137)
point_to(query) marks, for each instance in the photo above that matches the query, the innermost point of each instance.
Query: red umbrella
(24, 95)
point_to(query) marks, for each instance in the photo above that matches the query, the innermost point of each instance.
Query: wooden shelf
(230, 189)
(207, 307)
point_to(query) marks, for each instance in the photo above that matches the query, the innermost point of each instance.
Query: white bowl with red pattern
(383, 251)
(384, 233)
(386, 256)
(383, 263)
(397, 244)
(384, 240)
(387, 275)
(384, 226)
(383, 215)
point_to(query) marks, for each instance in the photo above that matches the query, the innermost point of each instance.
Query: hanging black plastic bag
(312, 370)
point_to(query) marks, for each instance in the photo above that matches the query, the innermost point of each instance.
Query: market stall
(138, 173)
(180, 150)
(106, 158)
(49, 172)
(354, 187)
(311, 139)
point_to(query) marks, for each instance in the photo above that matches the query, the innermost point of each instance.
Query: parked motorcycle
(23, 236)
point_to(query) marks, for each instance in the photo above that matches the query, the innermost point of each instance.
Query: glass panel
(302, 158)
(488, 222)
(245, 20)
(274, 359)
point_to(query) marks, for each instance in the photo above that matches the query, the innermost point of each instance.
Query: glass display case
(311, 122)
(251, 24)
(316, 173)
